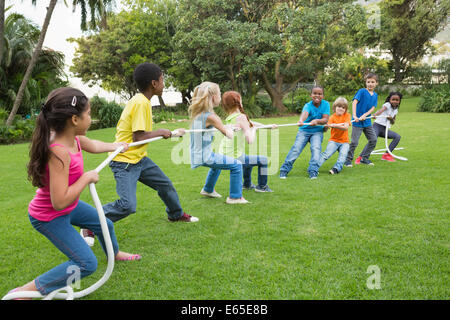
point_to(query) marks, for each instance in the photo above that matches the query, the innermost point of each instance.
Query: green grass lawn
(307, 240)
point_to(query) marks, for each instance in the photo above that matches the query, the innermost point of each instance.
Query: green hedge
(436, 99)
(20, 130)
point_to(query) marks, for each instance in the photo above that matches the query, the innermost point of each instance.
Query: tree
(2, 27)
(406, 29)
(97, 11)
(17, 102)
(248, 44)
(32, 62)
(21, 36)
(109, 57)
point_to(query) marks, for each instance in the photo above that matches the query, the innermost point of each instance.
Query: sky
(64, 24)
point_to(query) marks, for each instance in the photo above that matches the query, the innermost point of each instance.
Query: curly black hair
(145, 73)
(394, 93)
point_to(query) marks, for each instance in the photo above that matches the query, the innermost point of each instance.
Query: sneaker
(348, 164)
(263, 189)
(185, 218)
(367, 162)
(249, 188)
(334, 171)
(283, 175)
(313, 175)
(358, 160)
(88, 236)
(241, 200)
(213, 194)
(387, 157)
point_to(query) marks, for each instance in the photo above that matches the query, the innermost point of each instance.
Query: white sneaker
(88, 236)
(213, 194)
(236, 201)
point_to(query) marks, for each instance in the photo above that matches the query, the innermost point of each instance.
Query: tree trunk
(32, 63)
(161, 102)
(2, 27)
(186, 97)
(398, 66)
(276, 94)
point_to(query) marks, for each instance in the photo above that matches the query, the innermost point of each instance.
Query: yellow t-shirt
(137, 116)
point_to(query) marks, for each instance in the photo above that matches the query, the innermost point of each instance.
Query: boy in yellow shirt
(129, 167)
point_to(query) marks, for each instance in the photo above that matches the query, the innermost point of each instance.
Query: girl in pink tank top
(56, 168)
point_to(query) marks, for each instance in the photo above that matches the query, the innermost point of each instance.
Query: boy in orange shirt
(339, 123)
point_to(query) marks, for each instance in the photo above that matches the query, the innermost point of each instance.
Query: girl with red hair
(232, 104)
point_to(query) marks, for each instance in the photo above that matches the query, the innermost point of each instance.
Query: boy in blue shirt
(316, 114)
(364, 103)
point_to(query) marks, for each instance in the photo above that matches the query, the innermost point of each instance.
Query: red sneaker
(387, 157)
(358, 160)
(185, 218)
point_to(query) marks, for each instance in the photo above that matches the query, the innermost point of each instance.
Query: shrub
(301, 97)
(252, 106)
(96, 104)
(109, 115)
(263, 107)
(346, 74)
(181, 109)
(436, 99)
(20, 130)
(163, 115)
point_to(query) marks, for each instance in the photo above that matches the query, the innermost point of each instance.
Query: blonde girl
(201, 112)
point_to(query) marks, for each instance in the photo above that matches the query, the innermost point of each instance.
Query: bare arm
(341, 126)
(96, 146)
(354, 103)
(380, 111)
(144, 135)
(303, 117)
(61, 194)
(214, 120)
(365, 115)
(249, 132)
(320, 122)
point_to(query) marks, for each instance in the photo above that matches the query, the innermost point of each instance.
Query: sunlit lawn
(307, 240)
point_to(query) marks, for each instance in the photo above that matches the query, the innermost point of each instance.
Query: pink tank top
(41, 207)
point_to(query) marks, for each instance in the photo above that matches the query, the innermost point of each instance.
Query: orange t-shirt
(338, 135)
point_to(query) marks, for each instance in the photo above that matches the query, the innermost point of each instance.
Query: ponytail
(61, 105)
(202, 99)
(231, 100)
(39, 151)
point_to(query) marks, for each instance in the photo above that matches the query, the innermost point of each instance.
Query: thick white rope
(386, 143)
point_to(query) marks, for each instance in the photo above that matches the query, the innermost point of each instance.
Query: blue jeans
(248, 162)
(146, 171)
(332, 147)
(219, 162)
(302, 138)
(61, 233)
(380, 131)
